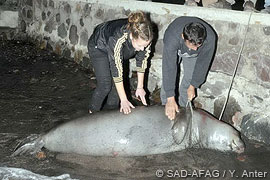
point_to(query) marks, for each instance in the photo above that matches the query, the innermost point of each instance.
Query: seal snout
(238, 146)
(240, 149)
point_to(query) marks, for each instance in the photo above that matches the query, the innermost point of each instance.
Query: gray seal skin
(145, 131)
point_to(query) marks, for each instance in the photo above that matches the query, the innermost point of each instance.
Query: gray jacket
(174, 43)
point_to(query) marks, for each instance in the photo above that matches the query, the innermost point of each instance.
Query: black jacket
(173, 43)
(113, 38)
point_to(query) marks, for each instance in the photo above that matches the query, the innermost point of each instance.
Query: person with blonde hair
(111, 43)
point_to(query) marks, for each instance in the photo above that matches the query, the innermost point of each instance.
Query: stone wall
(64, 26)
(9, 19)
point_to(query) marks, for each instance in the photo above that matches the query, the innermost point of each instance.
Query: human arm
(125, 105)
(171, 108)
(115, 56)
(203, 63)
(169, 71)
(141, 64)
(140, 92)
(191, 92)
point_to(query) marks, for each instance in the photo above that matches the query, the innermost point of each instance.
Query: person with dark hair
(110, 44)
(192, 42)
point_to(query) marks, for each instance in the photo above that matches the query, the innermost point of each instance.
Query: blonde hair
(140, 26)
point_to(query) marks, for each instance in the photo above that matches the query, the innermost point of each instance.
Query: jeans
(188, 68)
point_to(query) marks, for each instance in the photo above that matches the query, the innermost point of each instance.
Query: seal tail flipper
(32, 144)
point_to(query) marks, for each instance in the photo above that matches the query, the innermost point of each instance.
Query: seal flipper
(181, 125)
(31, 144)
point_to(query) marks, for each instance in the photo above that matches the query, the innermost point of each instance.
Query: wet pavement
(39, 90)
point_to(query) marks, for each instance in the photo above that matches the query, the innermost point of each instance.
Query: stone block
(266, 30)
(257, 127)
(67, 8)
(262, 67)
(62, 31)
(29, 2)
(73, 36)
(51, 3)
(45, 3)
(231, 108)
(84, 38)
(58, 17)
(9, 18)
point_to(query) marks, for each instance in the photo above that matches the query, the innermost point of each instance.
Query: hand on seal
(126, 107)
(171, 108)
(191, 92)
(140, 94)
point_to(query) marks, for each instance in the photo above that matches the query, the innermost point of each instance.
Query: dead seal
(145, 131)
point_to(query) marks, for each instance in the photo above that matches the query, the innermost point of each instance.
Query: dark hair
(140, 26)
(195, 33)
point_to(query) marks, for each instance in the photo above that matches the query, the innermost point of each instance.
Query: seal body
(145, 131)
(209, 132)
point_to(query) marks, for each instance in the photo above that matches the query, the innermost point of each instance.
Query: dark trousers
(188, 68)
(105, 93)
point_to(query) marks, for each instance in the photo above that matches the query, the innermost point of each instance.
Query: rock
(256, 126)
